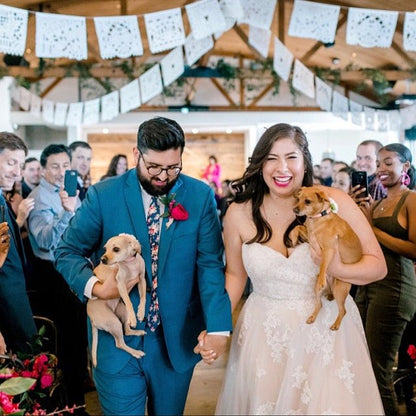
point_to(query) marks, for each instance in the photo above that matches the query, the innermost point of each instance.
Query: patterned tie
(153, 225)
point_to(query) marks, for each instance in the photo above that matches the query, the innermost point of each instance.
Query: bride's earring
(405, 179)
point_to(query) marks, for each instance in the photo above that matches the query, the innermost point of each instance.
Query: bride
(279, 364)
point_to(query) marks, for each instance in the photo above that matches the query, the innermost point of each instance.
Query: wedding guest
(387, 306)
(175, 219)
(212, 172)
(81, 154)
(279, 364)
(31, 176)
(47, 221)
(118, 165)
(367, 161)
(342, 179)
(16, 318)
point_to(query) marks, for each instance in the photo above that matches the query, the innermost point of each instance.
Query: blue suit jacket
(191, 289)
(16, 319)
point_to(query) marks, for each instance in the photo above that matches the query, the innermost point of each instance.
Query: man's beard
(153, 190)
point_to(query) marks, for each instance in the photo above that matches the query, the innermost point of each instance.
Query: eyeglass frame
(177, 169)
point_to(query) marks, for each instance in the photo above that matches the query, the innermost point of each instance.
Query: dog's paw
(132, 321)
(140, 314)
(138, 353)
(311, 319)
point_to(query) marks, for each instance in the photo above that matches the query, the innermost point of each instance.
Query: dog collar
(322, 213)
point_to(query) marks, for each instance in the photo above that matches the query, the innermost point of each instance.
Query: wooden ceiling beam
(244, 38)
(50, 87)
(304, 59)
(223, 91)
(107, 72)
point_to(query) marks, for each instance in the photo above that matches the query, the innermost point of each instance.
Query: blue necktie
(153, 225)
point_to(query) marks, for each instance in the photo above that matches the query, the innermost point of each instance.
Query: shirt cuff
(223, 333)
(88, 287)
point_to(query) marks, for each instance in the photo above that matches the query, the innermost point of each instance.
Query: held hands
(68, 202)
(4, 242)
(210, 346)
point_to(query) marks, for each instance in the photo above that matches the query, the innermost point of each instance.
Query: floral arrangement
(29, 384)
(174, 211)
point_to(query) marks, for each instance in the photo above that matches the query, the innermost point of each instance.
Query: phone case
(360, 178)
(71, 180)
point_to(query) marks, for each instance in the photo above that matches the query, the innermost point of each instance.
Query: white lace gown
(279, 364)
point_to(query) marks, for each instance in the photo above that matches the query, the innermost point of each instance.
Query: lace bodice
(276, 276)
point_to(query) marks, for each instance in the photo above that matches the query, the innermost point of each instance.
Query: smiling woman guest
(279, 364)
(387, 306)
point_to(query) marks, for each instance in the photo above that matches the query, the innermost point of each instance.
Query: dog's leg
(121, 312)
(117, 333)
(94, 345)
(340, 290)
(142, 293)
(124, 294)
(318, 306)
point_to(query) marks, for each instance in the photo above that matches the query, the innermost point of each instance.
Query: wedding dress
(279, 364)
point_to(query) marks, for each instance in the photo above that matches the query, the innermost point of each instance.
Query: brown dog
(329, 230)
(121, 260)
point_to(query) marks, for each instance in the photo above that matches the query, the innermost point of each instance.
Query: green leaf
(17, 385)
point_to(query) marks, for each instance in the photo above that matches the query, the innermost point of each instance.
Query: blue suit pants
(151, 377)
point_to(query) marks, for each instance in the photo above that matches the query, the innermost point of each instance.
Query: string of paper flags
(119, 37)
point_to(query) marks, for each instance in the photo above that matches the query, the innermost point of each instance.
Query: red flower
(174, 210)
(178, 212)
(412, 352)
(46, 380)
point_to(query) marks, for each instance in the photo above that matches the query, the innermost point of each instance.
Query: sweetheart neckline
(275, 251)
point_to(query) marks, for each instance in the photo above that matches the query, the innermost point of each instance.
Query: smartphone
(71, 181)
(359, 177)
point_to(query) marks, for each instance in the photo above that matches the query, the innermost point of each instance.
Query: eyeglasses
(157, 170)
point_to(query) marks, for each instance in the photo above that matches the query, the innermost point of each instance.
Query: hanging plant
(328, 74)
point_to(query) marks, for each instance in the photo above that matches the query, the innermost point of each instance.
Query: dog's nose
(104, 259)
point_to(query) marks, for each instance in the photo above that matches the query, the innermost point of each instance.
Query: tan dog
(330, 230)
(121, 260)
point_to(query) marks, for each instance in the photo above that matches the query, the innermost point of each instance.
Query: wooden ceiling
(395, 63)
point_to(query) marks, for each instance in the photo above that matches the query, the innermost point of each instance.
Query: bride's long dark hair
(251, 186)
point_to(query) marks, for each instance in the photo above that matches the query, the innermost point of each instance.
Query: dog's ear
(135, 244)
(298, 193)
(321, 196)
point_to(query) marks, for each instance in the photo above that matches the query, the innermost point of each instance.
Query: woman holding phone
(386, 306)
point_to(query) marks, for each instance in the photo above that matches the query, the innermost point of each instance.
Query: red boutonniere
(174, 210)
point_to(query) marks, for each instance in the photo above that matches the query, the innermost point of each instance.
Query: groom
(182, 248)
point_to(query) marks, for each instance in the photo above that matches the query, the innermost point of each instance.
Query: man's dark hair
(74, 145)
(12, 142)
(377, 145)
(53, 149)
(160, 134)
(30, 160)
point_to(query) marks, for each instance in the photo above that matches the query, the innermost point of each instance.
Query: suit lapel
(134, 201)
(166, 234)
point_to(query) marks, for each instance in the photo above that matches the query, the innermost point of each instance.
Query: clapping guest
(388, 305)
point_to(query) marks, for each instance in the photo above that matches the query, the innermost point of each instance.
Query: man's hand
(210, 346)
(69, 203)
(4, 242)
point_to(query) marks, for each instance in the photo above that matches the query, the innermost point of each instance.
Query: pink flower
(174, 210)
(6, 404)
(46, 380)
